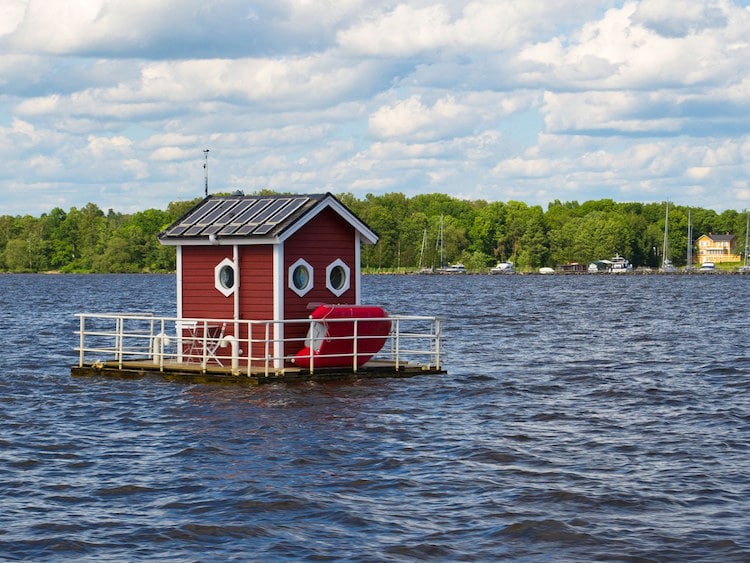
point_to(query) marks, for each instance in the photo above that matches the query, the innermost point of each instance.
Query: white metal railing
(253, 347)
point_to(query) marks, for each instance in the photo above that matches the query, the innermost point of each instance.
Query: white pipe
(237, 284)
(237, 280)
(157, 347)
(235, 345)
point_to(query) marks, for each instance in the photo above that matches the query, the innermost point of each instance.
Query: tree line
(422, 231)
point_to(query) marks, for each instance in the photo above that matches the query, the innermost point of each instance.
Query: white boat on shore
(619, 265)
(452, 269)
(745, 268)
(666, 266)
(503, 268)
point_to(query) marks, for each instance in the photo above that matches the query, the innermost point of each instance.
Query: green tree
(533, 245)
(485, 228)
(17, 256)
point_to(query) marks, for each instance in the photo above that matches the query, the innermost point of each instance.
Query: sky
(114, 102)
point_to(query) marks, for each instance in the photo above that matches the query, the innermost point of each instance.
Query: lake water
(582, 418)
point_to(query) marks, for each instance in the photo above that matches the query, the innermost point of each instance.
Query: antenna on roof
(205, 168)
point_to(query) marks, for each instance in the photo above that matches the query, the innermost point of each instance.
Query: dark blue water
(582, 418)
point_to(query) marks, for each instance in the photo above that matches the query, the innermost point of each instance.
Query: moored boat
(619, 265)
(503, 268)
(457, 268)
(666, 266)
(745, 268)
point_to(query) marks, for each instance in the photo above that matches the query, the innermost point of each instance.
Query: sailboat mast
(440, 242)
(747, 233)
(665, 247)
(421, 252)
(690, 243)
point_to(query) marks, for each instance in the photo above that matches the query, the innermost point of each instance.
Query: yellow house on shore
(717, 248)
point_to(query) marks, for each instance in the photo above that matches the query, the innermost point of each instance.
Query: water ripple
(582, 418)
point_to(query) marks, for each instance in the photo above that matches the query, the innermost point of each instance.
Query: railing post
(81, 340)
(266, 355)
(354, 345)
(397, 340)
(204, 361)
(118, 339)
(437, 343)
(312, 344)
(164, 332)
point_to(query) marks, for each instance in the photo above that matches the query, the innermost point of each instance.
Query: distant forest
(475, 233)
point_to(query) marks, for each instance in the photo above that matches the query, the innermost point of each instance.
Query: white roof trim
(220, 241)
(367, 235)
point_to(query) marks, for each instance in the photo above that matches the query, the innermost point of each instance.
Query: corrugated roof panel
(199, 212)
(270, 211)
(204, 225)
(240, 216)
(253, 226)
(287, 210)
(244, 230)
(214, 217)
(281, 215)
(250, 208)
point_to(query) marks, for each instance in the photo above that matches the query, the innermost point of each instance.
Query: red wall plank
(320, 242)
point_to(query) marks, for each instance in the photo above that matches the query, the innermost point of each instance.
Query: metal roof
(720, 238)
(247, 217)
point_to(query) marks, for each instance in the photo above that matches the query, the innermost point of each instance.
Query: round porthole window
(300, 277)
(225, 277)
(337, 277)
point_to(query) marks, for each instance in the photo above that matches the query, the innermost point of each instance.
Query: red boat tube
(330, 343)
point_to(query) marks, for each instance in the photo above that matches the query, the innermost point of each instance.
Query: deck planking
(194, 372)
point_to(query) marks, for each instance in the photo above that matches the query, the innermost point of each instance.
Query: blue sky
(114, 101)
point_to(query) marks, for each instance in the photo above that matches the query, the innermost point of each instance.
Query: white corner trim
(178, 281)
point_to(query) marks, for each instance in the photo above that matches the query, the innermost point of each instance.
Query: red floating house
(266, 257)
(267, 287)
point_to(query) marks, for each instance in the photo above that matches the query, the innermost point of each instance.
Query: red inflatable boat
(330, 341)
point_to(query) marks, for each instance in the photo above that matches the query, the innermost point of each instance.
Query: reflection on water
(582, 418)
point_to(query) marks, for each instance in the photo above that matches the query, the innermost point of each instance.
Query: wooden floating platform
(194, 372)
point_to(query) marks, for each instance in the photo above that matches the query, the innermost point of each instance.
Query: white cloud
(618, 51)
(114, 101)
(678, 18)
(412, 119)
(11, 15)
(420, 28)
(171, 153)
(103, 146)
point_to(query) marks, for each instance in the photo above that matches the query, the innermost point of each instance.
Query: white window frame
(226, 291)
(290, 277)
(338, 292)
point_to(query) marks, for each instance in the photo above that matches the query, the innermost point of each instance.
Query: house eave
(219, 241)
(215, 231)
(367, 235)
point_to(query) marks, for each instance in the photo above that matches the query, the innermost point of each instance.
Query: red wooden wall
(256, 282)
(200, 298)
(320, 242)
